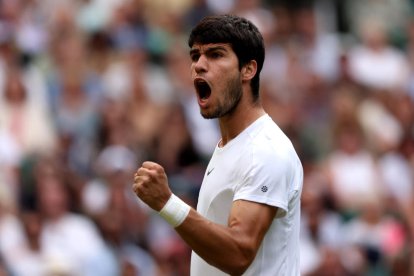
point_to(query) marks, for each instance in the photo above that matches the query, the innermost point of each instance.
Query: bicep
(250, 221)
(233, 247)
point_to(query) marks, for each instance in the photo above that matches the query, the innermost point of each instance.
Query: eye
(215, 55)
(194, 57)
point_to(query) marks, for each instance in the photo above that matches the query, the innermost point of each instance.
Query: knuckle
(140, 171)
(151, 175)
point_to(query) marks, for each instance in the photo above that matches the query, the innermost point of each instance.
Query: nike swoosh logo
(208, 172)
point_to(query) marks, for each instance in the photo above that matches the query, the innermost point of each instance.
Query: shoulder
(269, 149)
(271, 145)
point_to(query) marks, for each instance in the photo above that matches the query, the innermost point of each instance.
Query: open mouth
(202, 88)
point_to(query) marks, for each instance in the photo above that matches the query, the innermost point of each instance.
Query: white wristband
(175, 211)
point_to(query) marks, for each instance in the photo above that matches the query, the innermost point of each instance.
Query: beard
(232, 96)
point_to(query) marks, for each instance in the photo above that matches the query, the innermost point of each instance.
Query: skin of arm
(230, 248)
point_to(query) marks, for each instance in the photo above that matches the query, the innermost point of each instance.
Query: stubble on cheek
(232, 94)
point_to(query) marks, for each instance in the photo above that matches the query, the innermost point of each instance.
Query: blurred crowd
(89, 89)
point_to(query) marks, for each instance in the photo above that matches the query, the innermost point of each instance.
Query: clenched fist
(151, 185)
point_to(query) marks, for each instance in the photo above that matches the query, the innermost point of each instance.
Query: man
(247, 218)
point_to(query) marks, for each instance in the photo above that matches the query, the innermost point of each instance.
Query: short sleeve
(265, 178)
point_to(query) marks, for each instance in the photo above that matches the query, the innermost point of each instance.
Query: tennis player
(248, 212)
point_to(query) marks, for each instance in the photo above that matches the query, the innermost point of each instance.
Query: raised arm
(232, 247)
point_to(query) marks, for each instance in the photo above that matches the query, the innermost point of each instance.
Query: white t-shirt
(259, 165)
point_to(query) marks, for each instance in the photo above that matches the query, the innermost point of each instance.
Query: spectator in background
(128, 25)
(27, 122)
(26, 128)
(254, 11)
(28, 257)
(394, 15)
(31, 30)
(398, 175)
(352, 172)
(121, 220)
(74, 95)
(321, 48)
(198, 10)
(113, 165)
(70, 240)
(148, 104)
(322, 228)
(379, 238)
(375, 63)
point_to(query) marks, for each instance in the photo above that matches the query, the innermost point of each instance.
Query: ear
(249, 70)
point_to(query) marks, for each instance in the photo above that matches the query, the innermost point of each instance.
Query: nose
(200, 66)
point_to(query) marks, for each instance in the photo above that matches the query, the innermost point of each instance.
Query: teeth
(200, 82)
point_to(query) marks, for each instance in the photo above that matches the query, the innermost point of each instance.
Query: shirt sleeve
(265, 178)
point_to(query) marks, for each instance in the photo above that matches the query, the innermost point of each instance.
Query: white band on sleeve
(175, 211)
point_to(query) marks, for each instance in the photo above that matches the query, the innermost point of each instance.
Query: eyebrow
(194, 51)
(208, 50)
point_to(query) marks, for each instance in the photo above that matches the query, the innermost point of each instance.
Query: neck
(233, 124)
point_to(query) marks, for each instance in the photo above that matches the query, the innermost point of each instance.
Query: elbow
(242, 262)
(238, 269)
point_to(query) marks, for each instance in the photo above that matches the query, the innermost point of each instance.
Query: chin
(207, 115)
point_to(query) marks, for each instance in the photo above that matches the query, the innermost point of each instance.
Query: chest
(222, 177)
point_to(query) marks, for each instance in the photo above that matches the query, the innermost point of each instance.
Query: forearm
(230, 248)
(221, 246)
